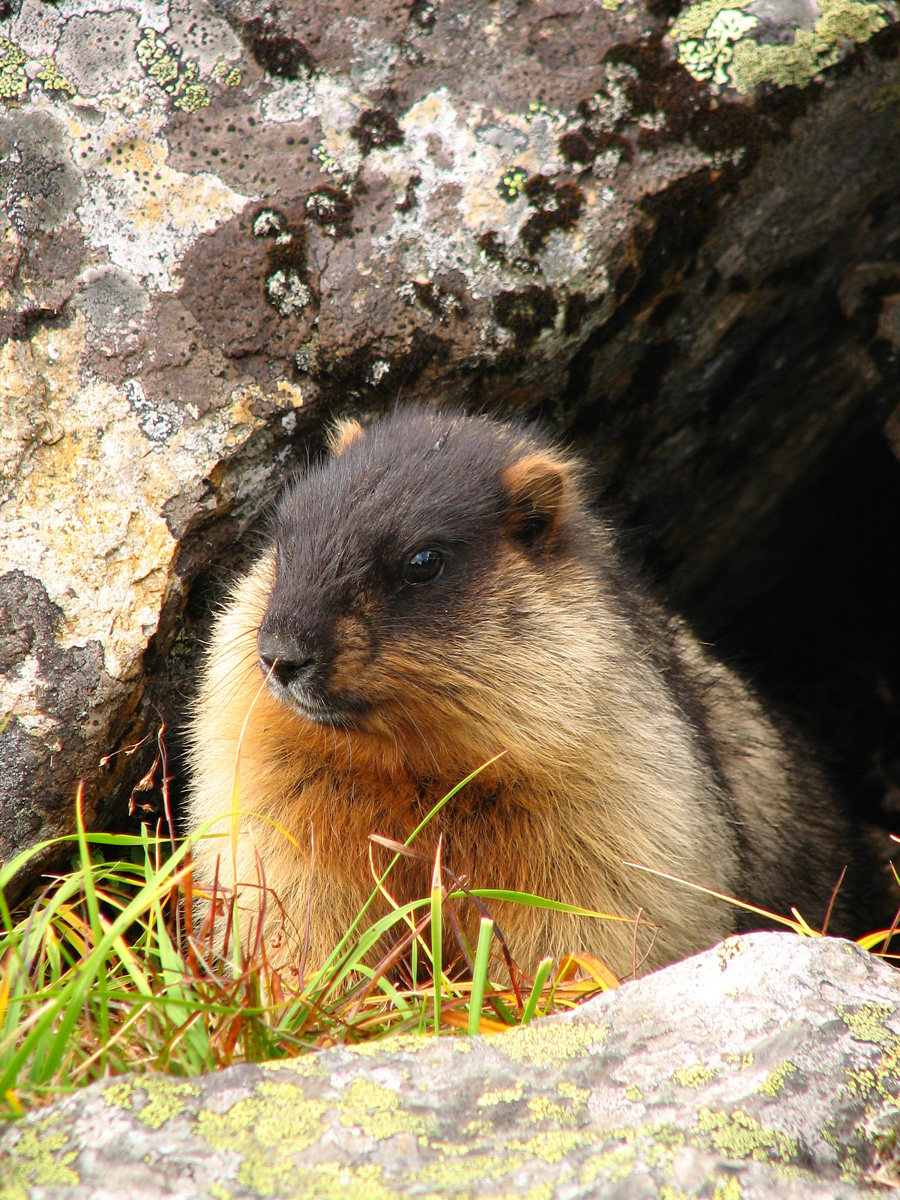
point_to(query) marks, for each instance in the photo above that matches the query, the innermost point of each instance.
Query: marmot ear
(536, 486)
(344, 431)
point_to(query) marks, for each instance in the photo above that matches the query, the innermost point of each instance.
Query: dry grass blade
(796, 923)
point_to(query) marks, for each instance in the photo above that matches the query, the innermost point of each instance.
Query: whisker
(349, 750)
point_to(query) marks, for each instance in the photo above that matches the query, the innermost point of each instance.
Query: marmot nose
(289, 661)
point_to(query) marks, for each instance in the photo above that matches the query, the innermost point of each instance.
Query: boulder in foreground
(764, 1067)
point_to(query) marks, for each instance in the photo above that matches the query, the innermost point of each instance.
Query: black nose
(288, 660)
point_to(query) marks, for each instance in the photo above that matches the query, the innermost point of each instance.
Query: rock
(222, 224)
(764, 1067)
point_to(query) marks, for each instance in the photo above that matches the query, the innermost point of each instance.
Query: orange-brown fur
(604, 759)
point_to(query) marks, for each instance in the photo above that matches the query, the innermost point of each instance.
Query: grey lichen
(267, 223)
(288, 292)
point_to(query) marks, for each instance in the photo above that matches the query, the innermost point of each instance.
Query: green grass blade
(94, 980)
(414, 964)
(479, 973)
(539, 902)
(174, 998)
(134, 972)
(437, 924)
(540, 979)
(93, 907)
(503, 1011)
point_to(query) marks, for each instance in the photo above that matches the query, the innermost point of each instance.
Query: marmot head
(425, 578)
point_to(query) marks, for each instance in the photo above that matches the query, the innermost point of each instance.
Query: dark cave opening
(821, 641)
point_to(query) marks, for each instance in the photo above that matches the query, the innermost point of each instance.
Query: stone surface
(676, 239)
(767, 1066)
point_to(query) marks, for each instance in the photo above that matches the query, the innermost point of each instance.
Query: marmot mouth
(313, 709)
(322, 714)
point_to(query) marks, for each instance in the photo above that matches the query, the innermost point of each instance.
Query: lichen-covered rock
(222, 223)
(768, 1066)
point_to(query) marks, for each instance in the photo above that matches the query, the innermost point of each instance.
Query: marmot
(440, 590)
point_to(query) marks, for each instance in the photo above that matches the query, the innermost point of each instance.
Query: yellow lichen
(501, 1096)
(611, 1165)
(37, 1157)
(154, 56)
(728, 1189)
(811, 51)
(266, 1130)
(713, 44)
(774, 1081)
(693, 1076)
(449, 1149)
(224, 72)
(50, 77)
(376, 1111)
(537, 108)
(553, 1145)
(13, 80)
(119, 1094)
(164, 1099)
(337, 154)
(331, 1181)
(578, 1096)
(304, 1064)
(474, 1169)
(511, 183)
(551, 1045)
(692, 25)
(861, 1082)
(867, 1023)
(886, 1069)
(542, 1108)
(738, 1135)
(177, 77)
(744, 1061)
(476, 1129)
(710, 58)
(395, 1042)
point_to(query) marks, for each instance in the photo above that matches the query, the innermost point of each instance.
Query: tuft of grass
(111, 970)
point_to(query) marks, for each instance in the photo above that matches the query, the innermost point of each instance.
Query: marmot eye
(424, 567)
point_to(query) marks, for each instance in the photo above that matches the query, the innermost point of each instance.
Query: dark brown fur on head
(351, 641)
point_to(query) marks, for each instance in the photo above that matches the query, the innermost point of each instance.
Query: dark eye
(424, 567)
